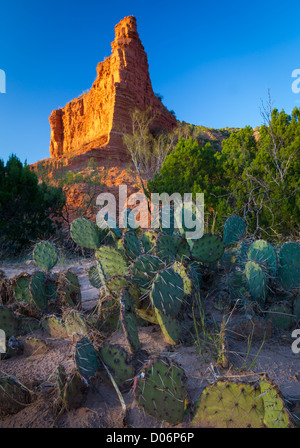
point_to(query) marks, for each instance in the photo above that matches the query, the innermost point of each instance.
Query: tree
(191, 168)
(27, 209)
(255, 175)
(147, 152)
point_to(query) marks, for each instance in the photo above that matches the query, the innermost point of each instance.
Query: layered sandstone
(99, 118)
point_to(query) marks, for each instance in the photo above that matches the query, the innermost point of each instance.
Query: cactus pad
(54, 327)
(275, 415)
(112, 261)
(169, 327)
(165, 248)
(94, 277)
(230, 405)
(144, 269)
(86, 234)
(119, 364)
(148, 240)
(69, 289)
(21, 288)
(75, 323)
(45, 255)
(86, 358)
(208, 249)
(161, 390)
(131, 244)
(256, 281)
(264, 254)
(167, 292)
(128, 321)
(38, 290)
(13, 396)
(234, 230)
(73, 392)
(289, 266)
(185, 273)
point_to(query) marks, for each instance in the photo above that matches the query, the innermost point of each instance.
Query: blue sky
(213, 62)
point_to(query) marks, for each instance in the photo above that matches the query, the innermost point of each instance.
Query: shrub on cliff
(256, 178)
(25, 206)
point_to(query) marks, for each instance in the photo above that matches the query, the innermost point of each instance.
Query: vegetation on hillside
(258, 179)
(25, 206)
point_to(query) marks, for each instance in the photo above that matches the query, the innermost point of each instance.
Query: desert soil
(101, 407)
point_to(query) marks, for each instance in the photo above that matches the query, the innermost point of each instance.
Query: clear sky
(212, 61)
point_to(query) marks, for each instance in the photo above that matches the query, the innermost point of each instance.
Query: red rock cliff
(102, 115)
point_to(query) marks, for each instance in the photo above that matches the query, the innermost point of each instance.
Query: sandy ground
(101, 406)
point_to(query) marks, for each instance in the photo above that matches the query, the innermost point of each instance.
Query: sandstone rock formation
(98, 118)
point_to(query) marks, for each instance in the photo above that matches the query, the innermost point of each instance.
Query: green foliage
(257, 178)
(25, 206)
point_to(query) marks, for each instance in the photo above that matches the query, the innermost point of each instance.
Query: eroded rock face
(103, 114)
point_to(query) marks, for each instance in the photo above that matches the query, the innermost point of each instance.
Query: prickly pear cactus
(185, 273)
(86, 358)
(234, 230)
(263, 253)
(148, 241)
(129, 321)
(119, 365)
(112, 261)
(161, 390)
(38, 290)
(86, 234)
(147, 315)
(169, 327)
(8, 322)
(13, 395)
(54, 327)
(256, 281)
(131, 244)
(144, 269)
(242, 253)
(73, 392)
(183, 251)
(275, 412)
(69, 289)
(52, 289)
(166, 220)
(165, 248)
(45, 255)
(21, 288)
(75, 323)
(230, 405)
(167, 293)
(208, 249)
(94, 277)
(289, 266)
